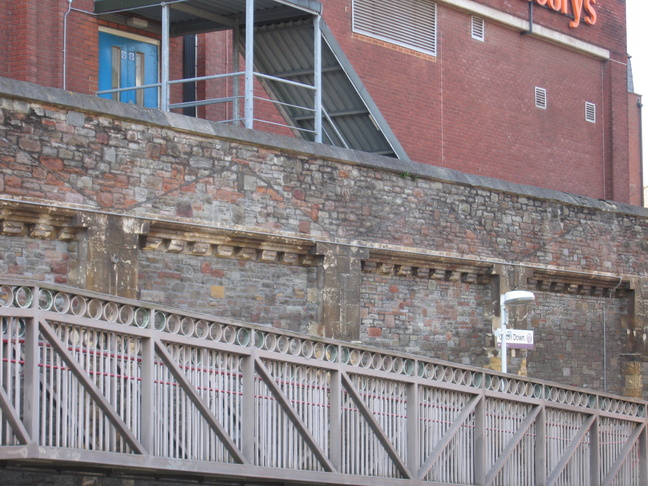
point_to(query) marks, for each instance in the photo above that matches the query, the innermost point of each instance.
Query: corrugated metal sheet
(285, 50)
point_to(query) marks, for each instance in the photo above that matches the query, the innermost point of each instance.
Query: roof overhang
(198, 16)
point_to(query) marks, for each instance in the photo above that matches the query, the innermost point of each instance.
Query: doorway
(126, 62)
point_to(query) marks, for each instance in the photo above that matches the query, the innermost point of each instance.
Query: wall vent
(590, 112)
(407, 23)
(477, 28)
(541, 98)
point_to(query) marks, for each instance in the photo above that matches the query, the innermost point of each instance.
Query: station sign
(517, 339)
(578, 9)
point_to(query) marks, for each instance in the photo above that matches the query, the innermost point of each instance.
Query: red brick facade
(469, 108)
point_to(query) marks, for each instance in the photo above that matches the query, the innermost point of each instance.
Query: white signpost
(516, 339)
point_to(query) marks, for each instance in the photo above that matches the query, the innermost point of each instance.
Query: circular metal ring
(187, 326)
(23, 297)
(466, 378)
(319, 350)
(7, 296)
(259, 338)
(397, 365)
(159, 321)
(331, 352)
(45, 299)
(495, 382)
(387, 363)
(78, 306)
(95, 309)
(62, 303)
(295, 346)
(282, 344)
(457, 376)
(408, 367)
(476, 380)
(243, 337)
(345, 355)
(216, 332)
(173, 324)
(229, 334)
(126, 315)
(201, 329)
(141, 317)
(111, 312)
(307, 349)
(270, 341)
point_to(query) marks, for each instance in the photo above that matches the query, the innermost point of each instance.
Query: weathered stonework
(276, 231)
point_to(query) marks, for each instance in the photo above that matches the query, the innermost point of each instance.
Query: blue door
(125, 63)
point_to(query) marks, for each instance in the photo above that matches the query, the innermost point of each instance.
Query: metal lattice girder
(103, 382)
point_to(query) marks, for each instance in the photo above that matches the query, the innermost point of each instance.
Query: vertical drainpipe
(65, 23)
(317, 35)
(249, 64)
(236, 34)
(164, 96)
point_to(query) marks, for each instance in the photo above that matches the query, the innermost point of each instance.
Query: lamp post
(511, 298)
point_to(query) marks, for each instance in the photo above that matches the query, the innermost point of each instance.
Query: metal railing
(98, 381)
(235, 100)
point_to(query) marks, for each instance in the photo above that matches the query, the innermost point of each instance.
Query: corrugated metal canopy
(197, 16)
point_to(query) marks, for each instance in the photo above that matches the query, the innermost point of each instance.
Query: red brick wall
(471, 107)
(5, 17)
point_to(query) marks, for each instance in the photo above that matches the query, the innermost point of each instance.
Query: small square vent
(477, 28)
(541, 98)
(590, 112)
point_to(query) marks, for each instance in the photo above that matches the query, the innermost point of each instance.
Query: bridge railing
(91, 380)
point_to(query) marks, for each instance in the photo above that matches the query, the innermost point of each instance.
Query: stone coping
(11, 88)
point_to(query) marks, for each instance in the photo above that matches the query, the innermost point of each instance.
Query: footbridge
(94, 382)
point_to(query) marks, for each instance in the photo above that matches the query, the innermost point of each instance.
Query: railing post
(148, 402)
(643, 453)
(595, 456)
(249, 64)
(164, 69)
(317, 37)
(335, 420)
(413, 436)
(479, 441)
(540, 448)
(31, 381)
(248, 436)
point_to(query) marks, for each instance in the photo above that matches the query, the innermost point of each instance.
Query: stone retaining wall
(272, 230)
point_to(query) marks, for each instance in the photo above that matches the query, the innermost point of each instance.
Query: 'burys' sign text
(579, 9)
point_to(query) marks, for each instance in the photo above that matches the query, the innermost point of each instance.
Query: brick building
(532, 92)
